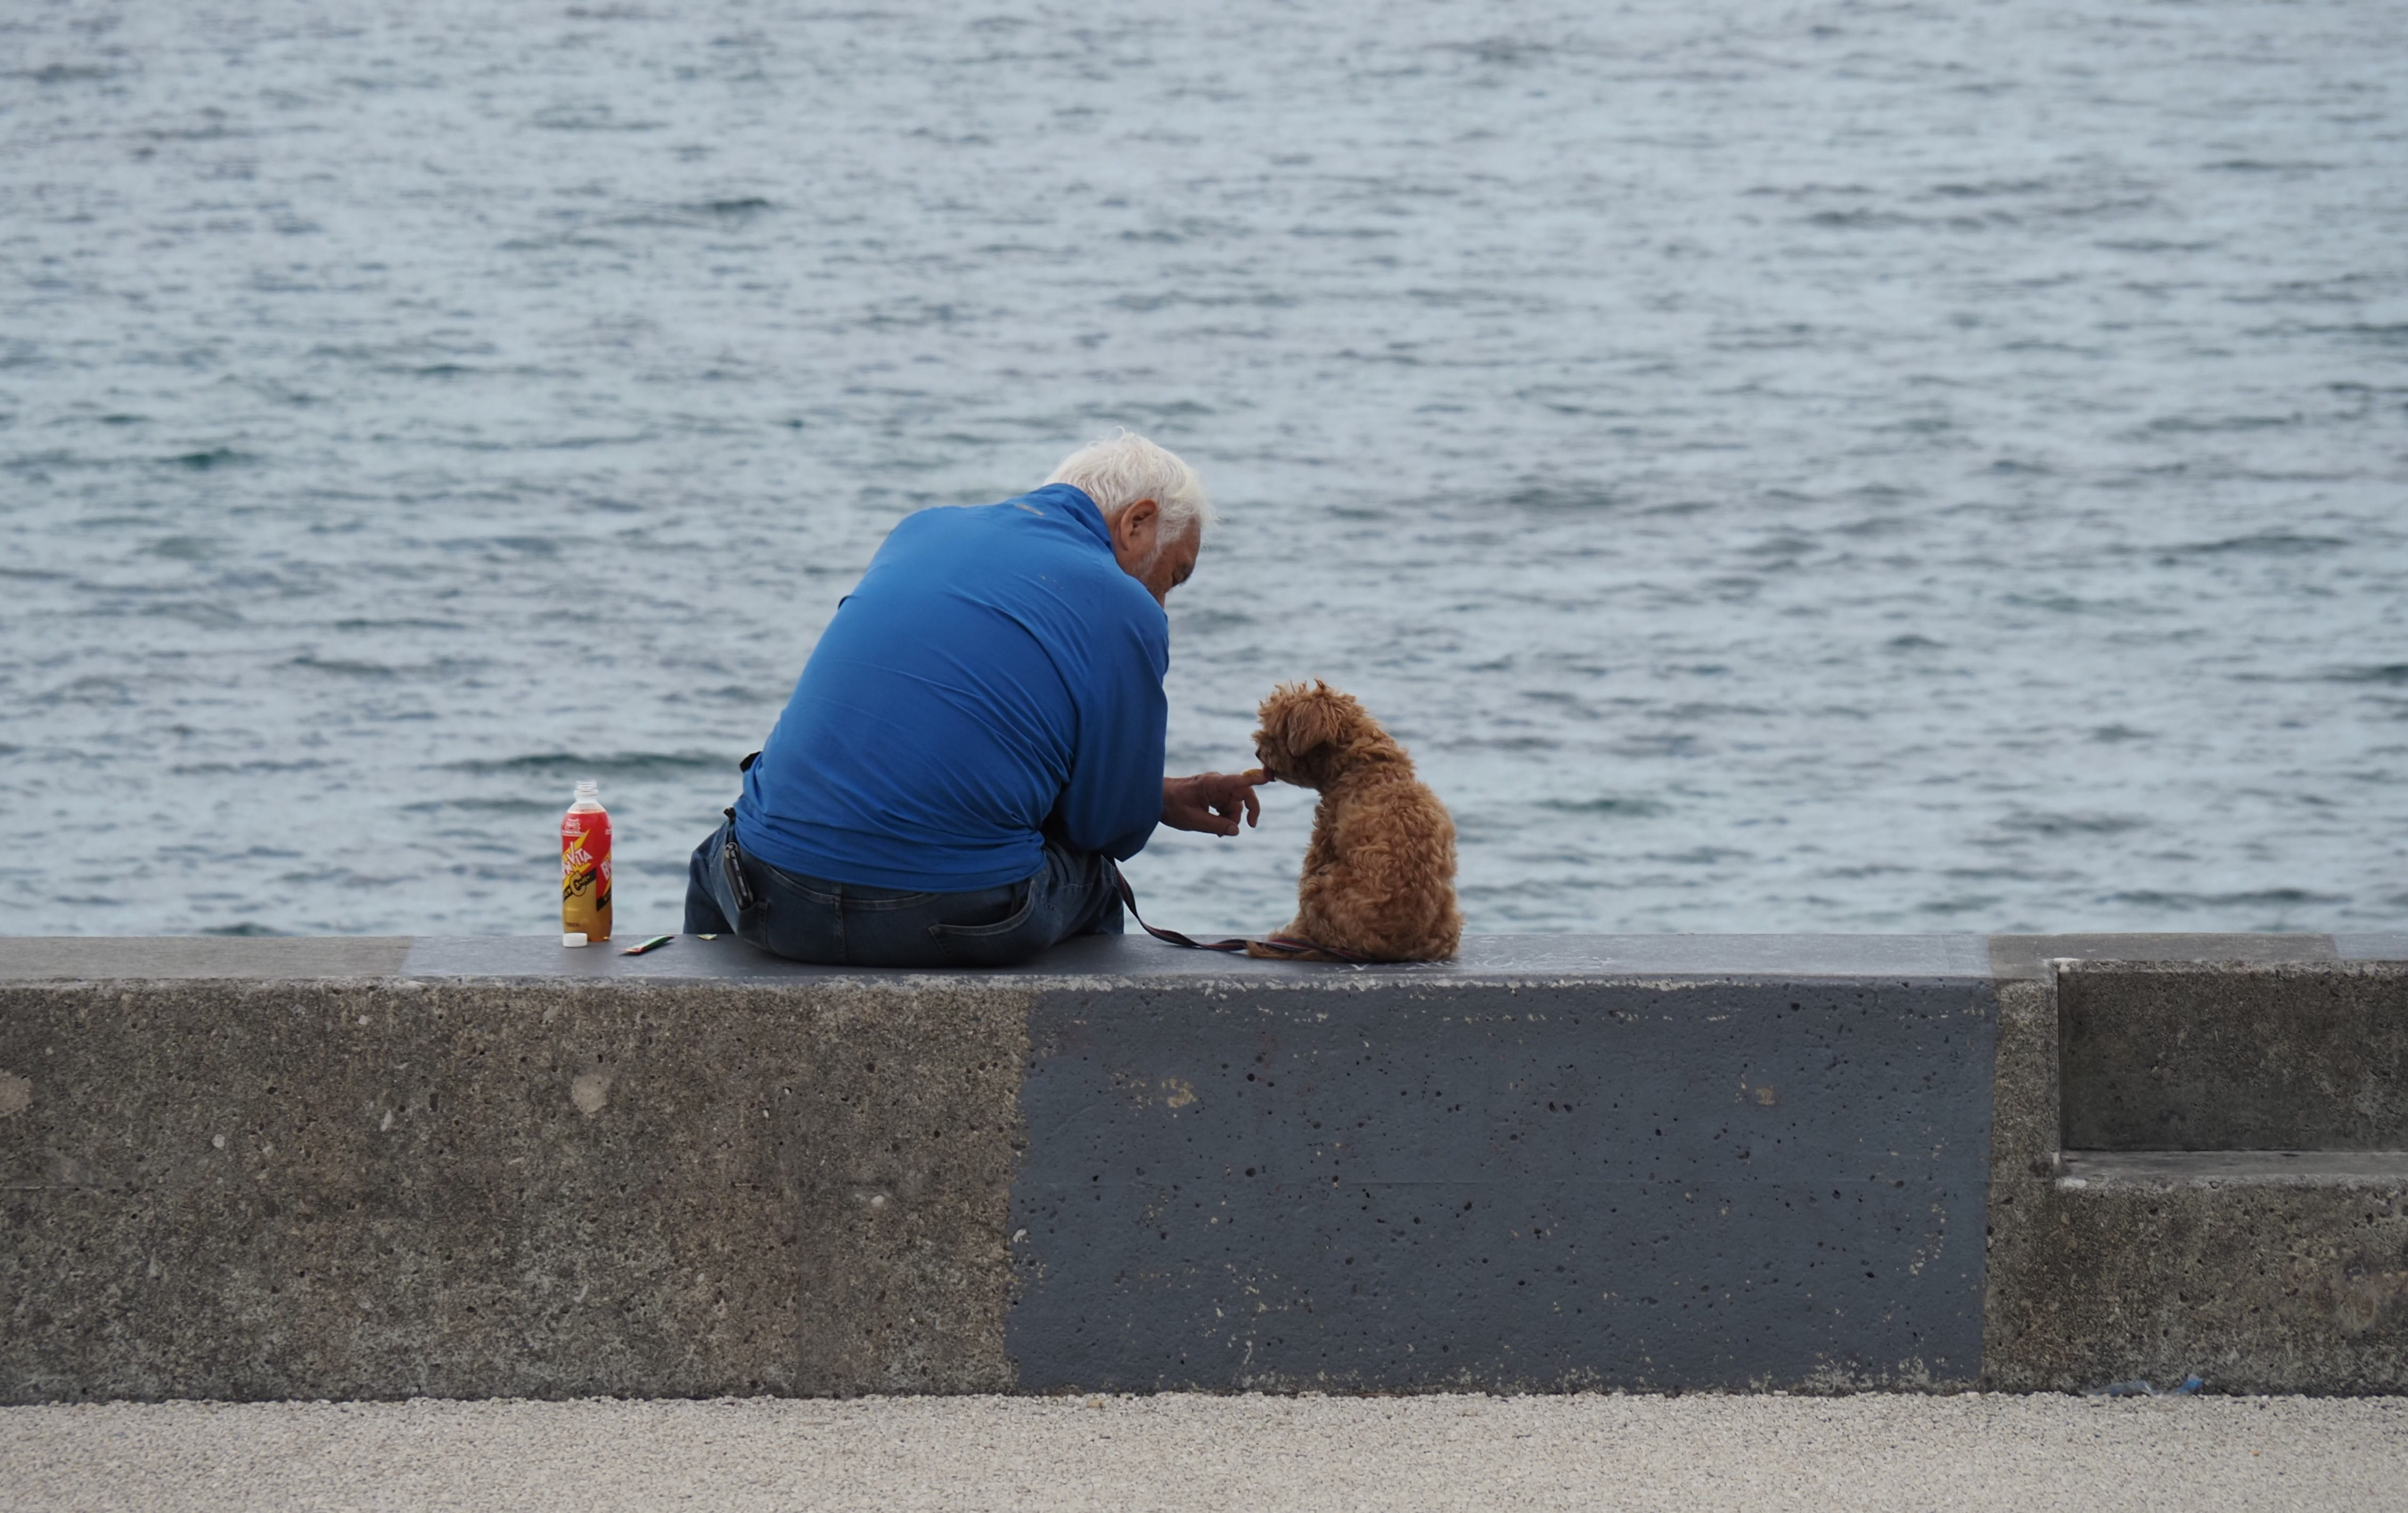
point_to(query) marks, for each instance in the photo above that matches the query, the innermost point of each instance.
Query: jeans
(845, 925)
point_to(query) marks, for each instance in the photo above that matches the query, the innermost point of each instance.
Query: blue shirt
(993, 671)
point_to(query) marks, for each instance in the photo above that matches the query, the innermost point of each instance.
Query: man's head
(1153, 503)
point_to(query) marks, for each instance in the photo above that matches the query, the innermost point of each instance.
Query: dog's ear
(1305, 718)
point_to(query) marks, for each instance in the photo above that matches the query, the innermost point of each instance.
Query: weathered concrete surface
(2260, 1272)
(379, 1190)
(2174, 1055)
(2023, 1166)
(2256, 1284)
(1689, 1182)
(487, 1167)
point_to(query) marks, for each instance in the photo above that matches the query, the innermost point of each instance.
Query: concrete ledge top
(2217, 1167)
(90, 958)
(1141, 958)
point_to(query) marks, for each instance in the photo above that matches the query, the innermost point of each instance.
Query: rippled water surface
(1827, 467)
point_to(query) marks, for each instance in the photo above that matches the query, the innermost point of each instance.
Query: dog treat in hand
(1378, 875)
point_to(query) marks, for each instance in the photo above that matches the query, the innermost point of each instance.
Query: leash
(1279, 945)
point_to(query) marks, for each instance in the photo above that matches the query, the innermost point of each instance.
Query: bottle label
(586, 874)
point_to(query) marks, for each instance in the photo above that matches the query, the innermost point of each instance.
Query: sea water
(1831, 467)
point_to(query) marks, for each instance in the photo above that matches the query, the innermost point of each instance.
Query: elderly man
(978, 735)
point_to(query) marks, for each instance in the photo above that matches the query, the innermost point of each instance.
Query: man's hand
(1211, 801)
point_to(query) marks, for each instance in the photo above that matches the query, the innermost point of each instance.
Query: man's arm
(1211, 801)
(1110, 803)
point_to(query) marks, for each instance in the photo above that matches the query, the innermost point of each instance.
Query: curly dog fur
(1379, 876)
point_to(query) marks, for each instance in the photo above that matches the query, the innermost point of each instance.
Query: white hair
(1119, 470)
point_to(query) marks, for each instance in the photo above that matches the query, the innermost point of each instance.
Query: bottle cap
(572, 937)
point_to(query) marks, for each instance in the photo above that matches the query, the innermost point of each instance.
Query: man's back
(994, 668)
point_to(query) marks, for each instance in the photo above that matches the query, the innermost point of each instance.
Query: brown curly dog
(1379, 877)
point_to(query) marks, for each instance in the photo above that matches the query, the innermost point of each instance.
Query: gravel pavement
(1126, 1453)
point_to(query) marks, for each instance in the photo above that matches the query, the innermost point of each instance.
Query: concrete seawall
(380, 1168)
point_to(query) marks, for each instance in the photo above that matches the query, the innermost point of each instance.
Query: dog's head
(1310, 734)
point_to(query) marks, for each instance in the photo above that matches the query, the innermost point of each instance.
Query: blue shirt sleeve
(1113, 800)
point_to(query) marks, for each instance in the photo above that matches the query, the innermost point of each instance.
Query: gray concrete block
(2170, 1056)
(386, 1189)
(267, 1168)
(2260, 1270)
(1728, 1183)
(2257, 1282)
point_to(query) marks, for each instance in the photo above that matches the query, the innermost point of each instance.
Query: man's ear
(1126, 525)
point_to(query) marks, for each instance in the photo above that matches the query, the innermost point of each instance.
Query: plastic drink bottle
(585, 869)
